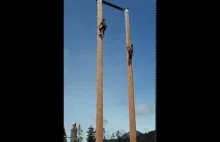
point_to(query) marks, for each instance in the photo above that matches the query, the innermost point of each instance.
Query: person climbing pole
(102, 27)
(130, 53)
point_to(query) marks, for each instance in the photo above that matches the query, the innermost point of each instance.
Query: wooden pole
(131, 104)
(99, 96)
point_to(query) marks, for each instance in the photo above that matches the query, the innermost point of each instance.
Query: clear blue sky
(80, 64)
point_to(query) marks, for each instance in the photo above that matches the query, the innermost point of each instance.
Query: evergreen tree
(91, 134)
(104, 133)
(104, 138)
(79, 134)
(113, 136)
(64, 135)
(118, 135)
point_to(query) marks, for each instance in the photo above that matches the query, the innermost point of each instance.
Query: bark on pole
(99, 95)
(131, 104)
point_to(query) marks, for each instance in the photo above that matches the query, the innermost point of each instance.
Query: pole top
(74, 123)
(126, 10)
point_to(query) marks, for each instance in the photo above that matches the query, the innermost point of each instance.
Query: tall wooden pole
(73, 134)
(131, 104)
(99, 96)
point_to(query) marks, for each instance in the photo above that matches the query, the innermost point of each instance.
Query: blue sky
(80, 65)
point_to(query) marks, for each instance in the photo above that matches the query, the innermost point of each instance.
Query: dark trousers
(130, 54)
(102, 29)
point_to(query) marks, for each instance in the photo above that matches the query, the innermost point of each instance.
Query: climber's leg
(129, 60)
(103, 31)
(100, 29)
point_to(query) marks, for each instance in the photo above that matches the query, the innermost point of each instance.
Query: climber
(102, 27)
(130, 53)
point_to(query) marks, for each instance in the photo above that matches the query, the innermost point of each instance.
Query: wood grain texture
(99, 96)
(131, 104)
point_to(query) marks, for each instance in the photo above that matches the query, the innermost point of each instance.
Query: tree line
(115, 137)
